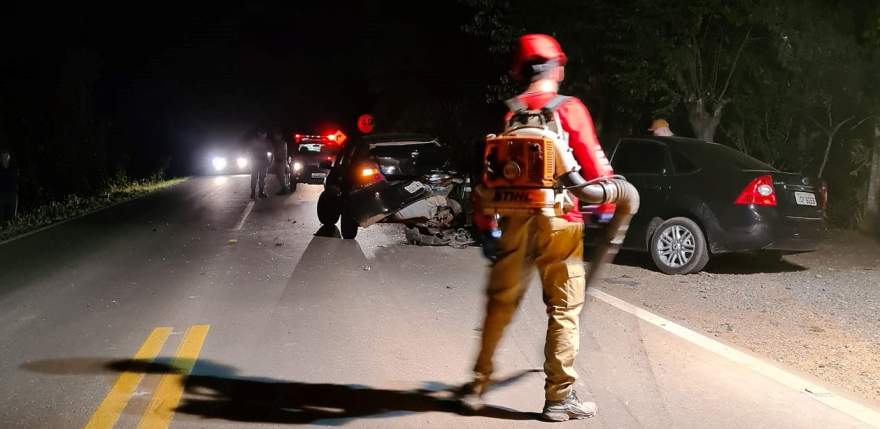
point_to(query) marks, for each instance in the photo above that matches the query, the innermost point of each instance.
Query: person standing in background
(8, 187)
(259, 149)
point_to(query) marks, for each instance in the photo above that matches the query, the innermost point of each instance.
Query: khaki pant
(555, 246)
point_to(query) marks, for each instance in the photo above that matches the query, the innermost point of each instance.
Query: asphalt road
(278, 326)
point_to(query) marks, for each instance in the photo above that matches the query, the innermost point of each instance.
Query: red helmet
(537, 48)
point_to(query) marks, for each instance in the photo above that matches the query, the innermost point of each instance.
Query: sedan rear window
(639, 157)
(727, 154)
(682, 164)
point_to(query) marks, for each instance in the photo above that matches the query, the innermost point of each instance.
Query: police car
(312, 156)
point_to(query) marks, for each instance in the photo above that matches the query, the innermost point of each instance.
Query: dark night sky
(174, 77)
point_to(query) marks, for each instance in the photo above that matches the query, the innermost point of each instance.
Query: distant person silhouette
(8, 188)
(259, 148)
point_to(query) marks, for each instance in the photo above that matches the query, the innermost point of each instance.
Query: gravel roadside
(818, 312)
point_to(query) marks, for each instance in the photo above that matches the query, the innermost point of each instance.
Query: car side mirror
(326, 164)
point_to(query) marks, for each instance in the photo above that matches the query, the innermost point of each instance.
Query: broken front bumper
(376, 202)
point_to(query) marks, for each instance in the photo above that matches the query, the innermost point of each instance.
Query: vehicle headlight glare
(242, 162)
(219, 163)
(297, 166)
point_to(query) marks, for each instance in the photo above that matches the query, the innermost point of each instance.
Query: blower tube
(614, 189)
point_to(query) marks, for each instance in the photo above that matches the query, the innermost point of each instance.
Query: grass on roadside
(73, 205)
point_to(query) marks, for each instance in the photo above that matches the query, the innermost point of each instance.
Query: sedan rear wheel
(678, 246)
(329, 208)
(349, 227)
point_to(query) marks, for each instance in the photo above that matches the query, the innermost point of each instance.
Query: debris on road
(432, 236)
(232, 241)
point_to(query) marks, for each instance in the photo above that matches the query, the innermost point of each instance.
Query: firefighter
(553, 244)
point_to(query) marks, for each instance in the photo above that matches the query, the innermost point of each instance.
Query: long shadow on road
(214, 391)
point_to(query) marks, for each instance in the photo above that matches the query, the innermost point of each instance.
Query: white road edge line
(817, 392)
(247, 212)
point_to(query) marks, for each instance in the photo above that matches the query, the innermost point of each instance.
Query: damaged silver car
(397, 178)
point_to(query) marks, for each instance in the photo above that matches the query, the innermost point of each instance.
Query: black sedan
(702, 199)
(375, 176)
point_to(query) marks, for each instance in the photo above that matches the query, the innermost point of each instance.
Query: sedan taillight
(759, 192)
(367, 174)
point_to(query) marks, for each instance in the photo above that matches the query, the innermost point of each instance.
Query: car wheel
(349, 227)
(328, 208)
(678, 246)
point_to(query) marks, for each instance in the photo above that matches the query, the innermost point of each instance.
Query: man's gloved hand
(605, 212)
(599, 214)
(487, 225)
(490, 243)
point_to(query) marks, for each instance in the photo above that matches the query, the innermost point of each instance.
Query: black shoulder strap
(515, 105)
(555, 102)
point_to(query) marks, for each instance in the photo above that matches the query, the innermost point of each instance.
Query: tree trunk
(825, 155)
(703, 122)
(872, 204)
(830, 133)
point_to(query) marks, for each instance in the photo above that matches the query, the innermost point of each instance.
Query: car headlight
(242, 162)
(219, 163)
(297, 166)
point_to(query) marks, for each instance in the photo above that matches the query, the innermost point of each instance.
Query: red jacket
(576, 120)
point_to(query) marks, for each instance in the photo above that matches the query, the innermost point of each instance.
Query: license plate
(319, 175)
(414, 187)
(805, 198)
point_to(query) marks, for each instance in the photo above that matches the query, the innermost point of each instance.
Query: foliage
(120, 189)
(791, 82)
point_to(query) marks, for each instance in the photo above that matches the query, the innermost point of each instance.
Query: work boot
(470, 396)
(263, 195)
(568, 408)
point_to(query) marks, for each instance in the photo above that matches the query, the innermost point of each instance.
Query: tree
(648, 59)
(871, 220)
(791, 82)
